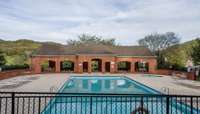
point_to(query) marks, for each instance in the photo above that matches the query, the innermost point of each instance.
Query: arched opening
(85, 66)
(124, 66)
(67, 66)
(142, 67)
(96, 65)
(107, 66)
(48, 66)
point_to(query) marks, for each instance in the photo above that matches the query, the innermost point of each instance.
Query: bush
(14, 67)
(173, 67)
(178, 68)
(2, 59)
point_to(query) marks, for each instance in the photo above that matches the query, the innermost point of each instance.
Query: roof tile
(58, 49)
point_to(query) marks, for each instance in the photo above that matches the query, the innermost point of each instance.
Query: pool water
(85, 104)
(117, 85)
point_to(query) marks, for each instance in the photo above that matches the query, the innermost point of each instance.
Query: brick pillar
(103, 66)
(79, 64)
(76, 65)
(89, 66)
(116, 67)
(132, 67)
(57, 65)
(35, 63)
(191, 75)
(80, 67)
(112, 66)
(152, 65)
(38, 68)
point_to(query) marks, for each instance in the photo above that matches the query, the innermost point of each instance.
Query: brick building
(93, 58)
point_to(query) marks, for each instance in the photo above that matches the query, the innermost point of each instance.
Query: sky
(125, 20)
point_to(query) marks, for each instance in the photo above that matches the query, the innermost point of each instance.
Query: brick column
(132, 67)
(152, 65)
(76, 65)
(36, 68)
(80, 67)
(57, 65)
(103, 66)
(89, 66)
(112, 66)
(79, 64)
(115, 65)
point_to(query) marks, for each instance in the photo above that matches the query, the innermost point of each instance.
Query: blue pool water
(117, 85)
(85, 104)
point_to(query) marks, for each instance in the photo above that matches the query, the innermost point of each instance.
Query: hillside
(18, 47)
(18, 52)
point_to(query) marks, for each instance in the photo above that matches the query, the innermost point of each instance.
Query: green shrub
(14, 67)
(179, 68)
(2, 59)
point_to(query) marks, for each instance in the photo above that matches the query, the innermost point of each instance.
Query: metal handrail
(53, 89)
(165, 90)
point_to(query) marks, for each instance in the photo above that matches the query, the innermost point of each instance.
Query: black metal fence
(74, 103)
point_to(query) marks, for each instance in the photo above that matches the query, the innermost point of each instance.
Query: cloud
(125, 20)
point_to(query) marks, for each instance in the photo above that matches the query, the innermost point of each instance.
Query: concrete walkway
(52, 82)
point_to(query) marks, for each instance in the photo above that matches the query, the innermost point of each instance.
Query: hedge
(14, 67)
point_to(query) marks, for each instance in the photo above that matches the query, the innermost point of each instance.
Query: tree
(2, 59)
(196, 53)
(175, 57)
(157, 42)
(85, 39)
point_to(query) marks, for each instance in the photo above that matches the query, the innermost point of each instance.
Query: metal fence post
(13, 103)
(39, 103)
(142, 104)
(90, 104)
(167, 103)
(191, 103)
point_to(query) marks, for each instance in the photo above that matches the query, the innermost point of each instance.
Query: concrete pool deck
(52, 82)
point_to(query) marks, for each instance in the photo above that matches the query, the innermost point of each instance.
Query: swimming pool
(111, 95)
(117, 85)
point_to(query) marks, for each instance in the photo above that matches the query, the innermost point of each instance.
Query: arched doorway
(107, 66)
(48, 66)
(85, 66)
(142, 67)
(67, 66)
(124, 66)
(96, 65)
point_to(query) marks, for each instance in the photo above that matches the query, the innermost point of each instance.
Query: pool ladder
(165, 90)
(53, 89)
